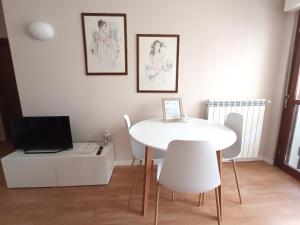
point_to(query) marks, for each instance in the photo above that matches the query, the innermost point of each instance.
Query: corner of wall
(268, 161)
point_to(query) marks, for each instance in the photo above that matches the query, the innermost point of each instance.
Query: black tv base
(41, 151)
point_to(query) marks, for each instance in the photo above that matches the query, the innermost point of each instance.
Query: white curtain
(291, 5)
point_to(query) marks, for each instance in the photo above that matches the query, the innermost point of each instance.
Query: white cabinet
(85, 170)
(28, 172)
(65, 168)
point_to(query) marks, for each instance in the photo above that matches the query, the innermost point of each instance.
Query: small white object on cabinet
(66, 168)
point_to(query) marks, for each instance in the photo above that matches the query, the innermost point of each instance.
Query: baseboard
(128, 162)
(122, 162)
(269, 161)
(244, 159)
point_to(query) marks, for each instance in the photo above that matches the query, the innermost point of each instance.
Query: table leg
(219, 156)
(147, 176)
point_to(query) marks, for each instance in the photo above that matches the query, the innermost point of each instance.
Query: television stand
(65, 168)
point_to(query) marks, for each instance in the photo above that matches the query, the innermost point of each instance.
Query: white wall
(228, 49)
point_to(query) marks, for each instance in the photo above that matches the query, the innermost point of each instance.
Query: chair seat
(159, 166)
(229, 154)
(228, 158)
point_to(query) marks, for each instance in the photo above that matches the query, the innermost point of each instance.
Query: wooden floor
(270, 198)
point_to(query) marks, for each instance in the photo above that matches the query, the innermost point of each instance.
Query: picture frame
(172, 109)
(105, 43)
(157, 63)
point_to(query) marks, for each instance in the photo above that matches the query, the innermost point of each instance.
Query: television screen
(35, 134)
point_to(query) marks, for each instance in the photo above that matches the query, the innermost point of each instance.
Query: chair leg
(173, 196)
(133, 161)
(157, 202)
(203, 198)
(219, 157)
(237, 180)
(134, 183)
(200, 198)
(218, 205)
(152, 165)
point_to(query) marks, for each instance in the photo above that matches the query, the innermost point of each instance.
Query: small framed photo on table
(172, 109)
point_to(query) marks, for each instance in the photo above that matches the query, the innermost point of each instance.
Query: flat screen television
(42, 134)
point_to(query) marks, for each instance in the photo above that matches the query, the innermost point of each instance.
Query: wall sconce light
(40, 31)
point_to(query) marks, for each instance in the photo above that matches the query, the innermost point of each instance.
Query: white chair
(235, 122)
(190, 167)
(138, 151)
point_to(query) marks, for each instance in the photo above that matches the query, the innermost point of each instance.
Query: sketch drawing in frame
(105, 43)
(157, 63)
(172, 109)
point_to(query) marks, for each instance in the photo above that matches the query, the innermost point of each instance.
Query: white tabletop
(158, 134)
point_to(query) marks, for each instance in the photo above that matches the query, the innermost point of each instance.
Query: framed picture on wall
(172, 109)
(157, 63)
(105, 43)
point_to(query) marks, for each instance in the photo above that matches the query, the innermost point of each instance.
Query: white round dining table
(158, 134)
(155, 133)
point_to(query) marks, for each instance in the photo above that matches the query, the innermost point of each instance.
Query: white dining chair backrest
(190, 167)
(127, 121)
(235, 122)
(138, 149)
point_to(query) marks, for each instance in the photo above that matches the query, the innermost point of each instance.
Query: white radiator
(253, 115)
